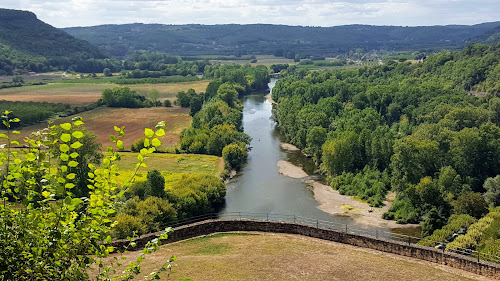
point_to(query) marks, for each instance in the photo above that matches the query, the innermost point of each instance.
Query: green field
(172, 166)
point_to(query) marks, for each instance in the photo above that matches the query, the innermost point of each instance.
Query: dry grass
(288, 257)
(103, 119)
(79, 94)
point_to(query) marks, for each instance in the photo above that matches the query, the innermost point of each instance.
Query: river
(258, 188)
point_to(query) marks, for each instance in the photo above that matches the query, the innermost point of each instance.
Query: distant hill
(490, 37)
(195, 39)
(28, 43)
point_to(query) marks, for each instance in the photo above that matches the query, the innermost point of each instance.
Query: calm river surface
(259, 188)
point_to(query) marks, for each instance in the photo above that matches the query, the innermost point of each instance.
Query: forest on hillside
(282, 40)
(428, 131)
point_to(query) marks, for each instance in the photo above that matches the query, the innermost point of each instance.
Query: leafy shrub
(167, 103)
(235, 155)
(128, 226)
(455, 223)
(137, 145)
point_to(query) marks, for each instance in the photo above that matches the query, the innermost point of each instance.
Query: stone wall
(405, 249)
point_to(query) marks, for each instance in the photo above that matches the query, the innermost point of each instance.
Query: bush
(137, 145)
(167, 103)
(455, 223)
(235, 155)
(472, 204)
(128, 226)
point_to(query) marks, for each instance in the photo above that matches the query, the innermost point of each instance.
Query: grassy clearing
(286, 257)
(79, 94)
(103, 119)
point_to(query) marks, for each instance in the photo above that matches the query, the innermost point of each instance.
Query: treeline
(32, 112)
(149, 206)
(217, 114)
(417, 129)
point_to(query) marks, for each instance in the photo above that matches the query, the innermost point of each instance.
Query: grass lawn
(257, 256)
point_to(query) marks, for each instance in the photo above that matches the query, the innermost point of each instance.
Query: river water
(258, 188)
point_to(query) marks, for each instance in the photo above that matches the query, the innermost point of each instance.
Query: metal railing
(374, 233)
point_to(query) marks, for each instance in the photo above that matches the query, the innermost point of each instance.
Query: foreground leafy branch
(47, 233)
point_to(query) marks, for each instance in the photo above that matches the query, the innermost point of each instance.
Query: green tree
(156, 184)
(107, 72)
(492, 194)
(433, 221)
(234, 155)
(167, 103)
(153, 95)
(472, 204)
(228, 94)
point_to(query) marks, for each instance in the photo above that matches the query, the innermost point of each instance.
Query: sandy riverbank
(289, 147)
(290, 170)
(334, 203)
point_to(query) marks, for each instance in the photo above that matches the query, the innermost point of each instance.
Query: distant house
(31, 73)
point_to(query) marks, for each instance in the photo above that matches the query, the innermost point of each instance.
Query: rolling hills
(196, 39)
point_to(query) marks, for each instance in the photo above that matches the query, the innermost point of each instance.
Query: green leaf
(64, 157)
(74, 155)
(67, 200)
(119, 144)
(156, 142)
(15, 142)
(77, 134)
(160, 133)
(149, 133)
(46, 194)
(69, 185)
(76, 201)
(146, 142)
(78, 123)
(71, 176)
(66, 126)
(65, 137)
(76, 145)
(140, 158)
(64, 147)
(30, 157)
(72, 164)
(112, 138)
(117, 129)
(4, 136)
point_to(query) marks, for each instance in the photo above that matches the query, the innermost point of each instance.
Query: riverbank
(334, 203)
(290, 170)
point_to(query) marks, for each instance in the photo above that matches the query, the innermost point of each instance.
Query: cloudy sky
(66, 13)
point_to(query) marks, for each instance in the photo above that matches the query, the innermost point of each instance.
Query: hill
(195, 39)
(26, 43)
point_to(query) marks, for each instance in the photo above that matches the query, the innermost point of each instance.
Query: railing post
(376, 233)
(293, 218)
(239, 213)
(317, 223)
(478, 255)
(409, 240)
(346, 228)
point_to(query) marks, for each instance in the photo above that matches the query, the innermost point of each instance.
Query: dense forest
(428, 131)
(282, 40)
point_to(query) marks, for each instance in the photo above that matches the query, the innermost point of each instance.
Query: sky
(67, 13)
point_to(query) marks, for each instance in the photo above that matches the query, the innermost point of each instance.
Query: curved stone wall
(491, 270)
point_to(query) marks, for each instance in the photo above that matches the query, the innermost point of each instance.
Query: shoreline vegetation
(334, 203)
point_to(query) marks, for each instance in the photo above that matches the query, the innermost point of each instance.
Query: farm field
(103, 119)
(171, 166)
(258, 256)
(82, 93)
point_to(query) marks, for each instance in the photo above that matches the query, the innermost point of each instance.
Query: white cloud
(63, 13)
